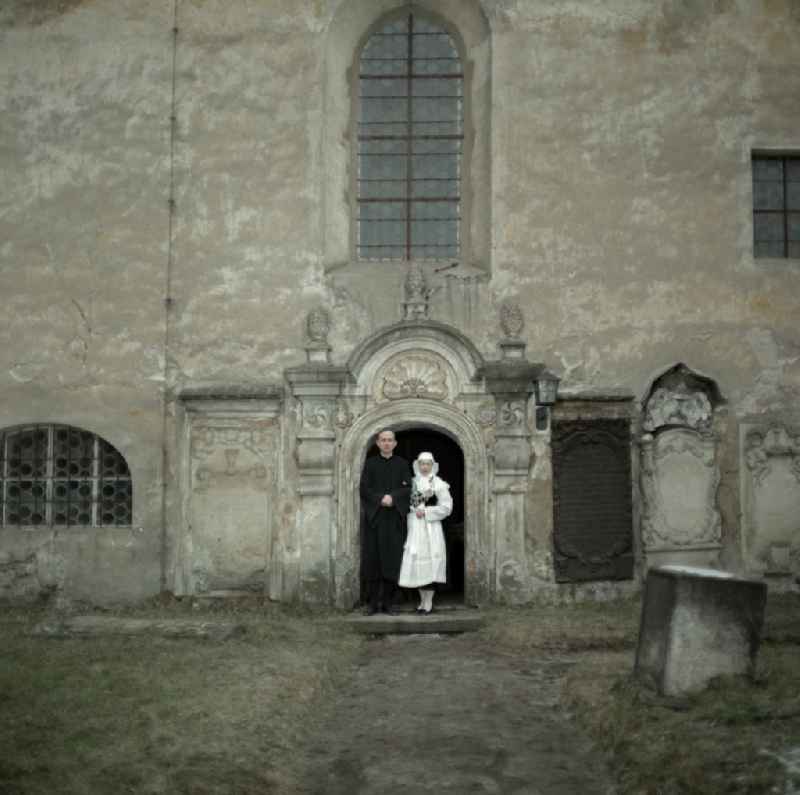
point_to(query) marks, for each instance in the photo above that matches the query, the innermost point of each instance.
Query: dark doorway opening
(410, 443)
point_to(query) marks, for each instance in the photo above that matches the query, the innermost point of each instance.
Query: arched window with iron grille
(410, 141)
(61, 476)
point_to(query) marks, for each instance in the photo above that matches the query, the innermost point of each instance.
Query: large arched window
(410, 139)
(60, 476)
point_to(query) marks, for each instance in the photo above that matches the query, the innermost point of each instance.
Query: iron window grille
(410, 143)
(776, 206)
(60, 476)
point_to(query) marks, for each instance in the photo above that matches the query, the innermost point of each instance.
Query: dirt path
(442, 715)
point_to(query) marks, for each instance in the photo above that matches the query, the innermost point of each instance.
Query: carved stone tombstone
(232, 446)
(679, 472)
(771, 499)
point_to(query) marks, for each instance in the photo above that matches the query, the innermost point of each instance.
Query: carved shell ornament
(512, 321)
(415, 376)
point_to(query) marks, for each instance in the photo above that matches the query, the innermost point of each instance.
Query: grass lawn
(157, 715)
(724, 740)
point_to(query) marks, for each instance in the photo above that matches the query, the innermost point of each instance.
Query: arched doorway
(406, 415)
(412, 441)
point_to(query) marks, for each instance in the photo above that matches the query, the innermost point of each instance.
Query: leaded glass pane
(432, 188)
(768, 168)
(793, 227)
(56, 475)
(767, 249)
(768, 195)
(768, 227)
(793, 195)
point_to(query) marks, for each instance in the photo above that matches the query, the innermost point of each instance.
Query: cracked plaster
(618, 217)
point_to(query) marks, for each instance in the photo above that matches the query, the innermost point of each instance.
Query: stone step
(439, 622)
(211, 596)
(93, 626)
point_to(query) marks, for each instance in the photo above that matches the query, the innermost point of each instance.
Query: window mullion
(5, 480)
(48, 476)
(95, 480)
(409, 129)
(785, 162)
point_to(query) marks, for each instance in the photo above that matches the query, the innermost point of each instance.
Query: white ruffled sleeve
(435, 513)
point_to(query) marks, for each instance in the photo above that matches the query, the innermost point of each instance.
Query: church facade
(557, 244)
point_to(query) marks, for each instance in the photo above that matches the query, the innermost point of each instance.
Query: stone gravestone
(696, 624)
(679, 471)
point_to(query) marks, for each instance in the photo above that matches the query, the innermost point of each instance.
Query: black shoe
(371, 610)
(420, 611)
(391, 610)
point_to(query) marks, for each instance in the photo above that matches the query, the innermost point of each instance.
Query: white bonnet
(426, 457)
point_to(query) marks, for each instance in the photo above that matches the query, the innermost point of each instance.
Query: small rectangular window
(776, 206)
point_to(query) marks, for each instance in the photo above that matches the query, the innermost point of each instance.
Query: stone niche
(770, 487)
(679, 471)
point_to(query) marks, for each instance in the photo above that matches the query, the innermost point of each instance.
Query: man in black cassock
(385, 493)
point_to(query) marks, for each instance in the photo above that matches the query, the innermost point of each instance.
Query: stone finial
(318, 326)
(416, 293)
(512, 321)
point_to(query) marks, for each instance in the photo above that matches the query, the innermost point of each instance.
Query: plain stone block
(696, 624)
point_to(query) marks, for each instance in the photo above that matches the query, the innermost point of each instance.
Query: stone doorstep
(440, 622)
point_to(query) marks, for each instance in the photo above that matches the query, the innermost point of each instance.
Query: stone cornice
(231, 392)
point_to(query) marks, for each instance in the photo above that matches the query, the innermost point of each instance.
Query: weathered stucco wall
(621, 136)
(617, 180)
(84, 147)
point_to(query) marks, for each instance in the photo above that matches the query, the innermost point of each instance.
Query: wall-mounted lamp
(546, 388)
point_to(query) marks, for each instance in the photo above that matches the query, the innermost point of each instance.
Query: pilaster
(316, 388)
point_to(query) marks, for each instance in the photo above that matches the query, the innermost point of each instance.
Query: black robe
(384, 533)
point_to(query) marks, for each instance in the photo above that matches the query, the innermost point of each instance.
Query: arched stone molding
(349, 27)
(478, 533)
(464, 362)
(679, 469)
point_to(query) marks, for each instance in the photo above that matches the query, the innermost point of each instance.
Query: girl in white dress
(424, 556)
